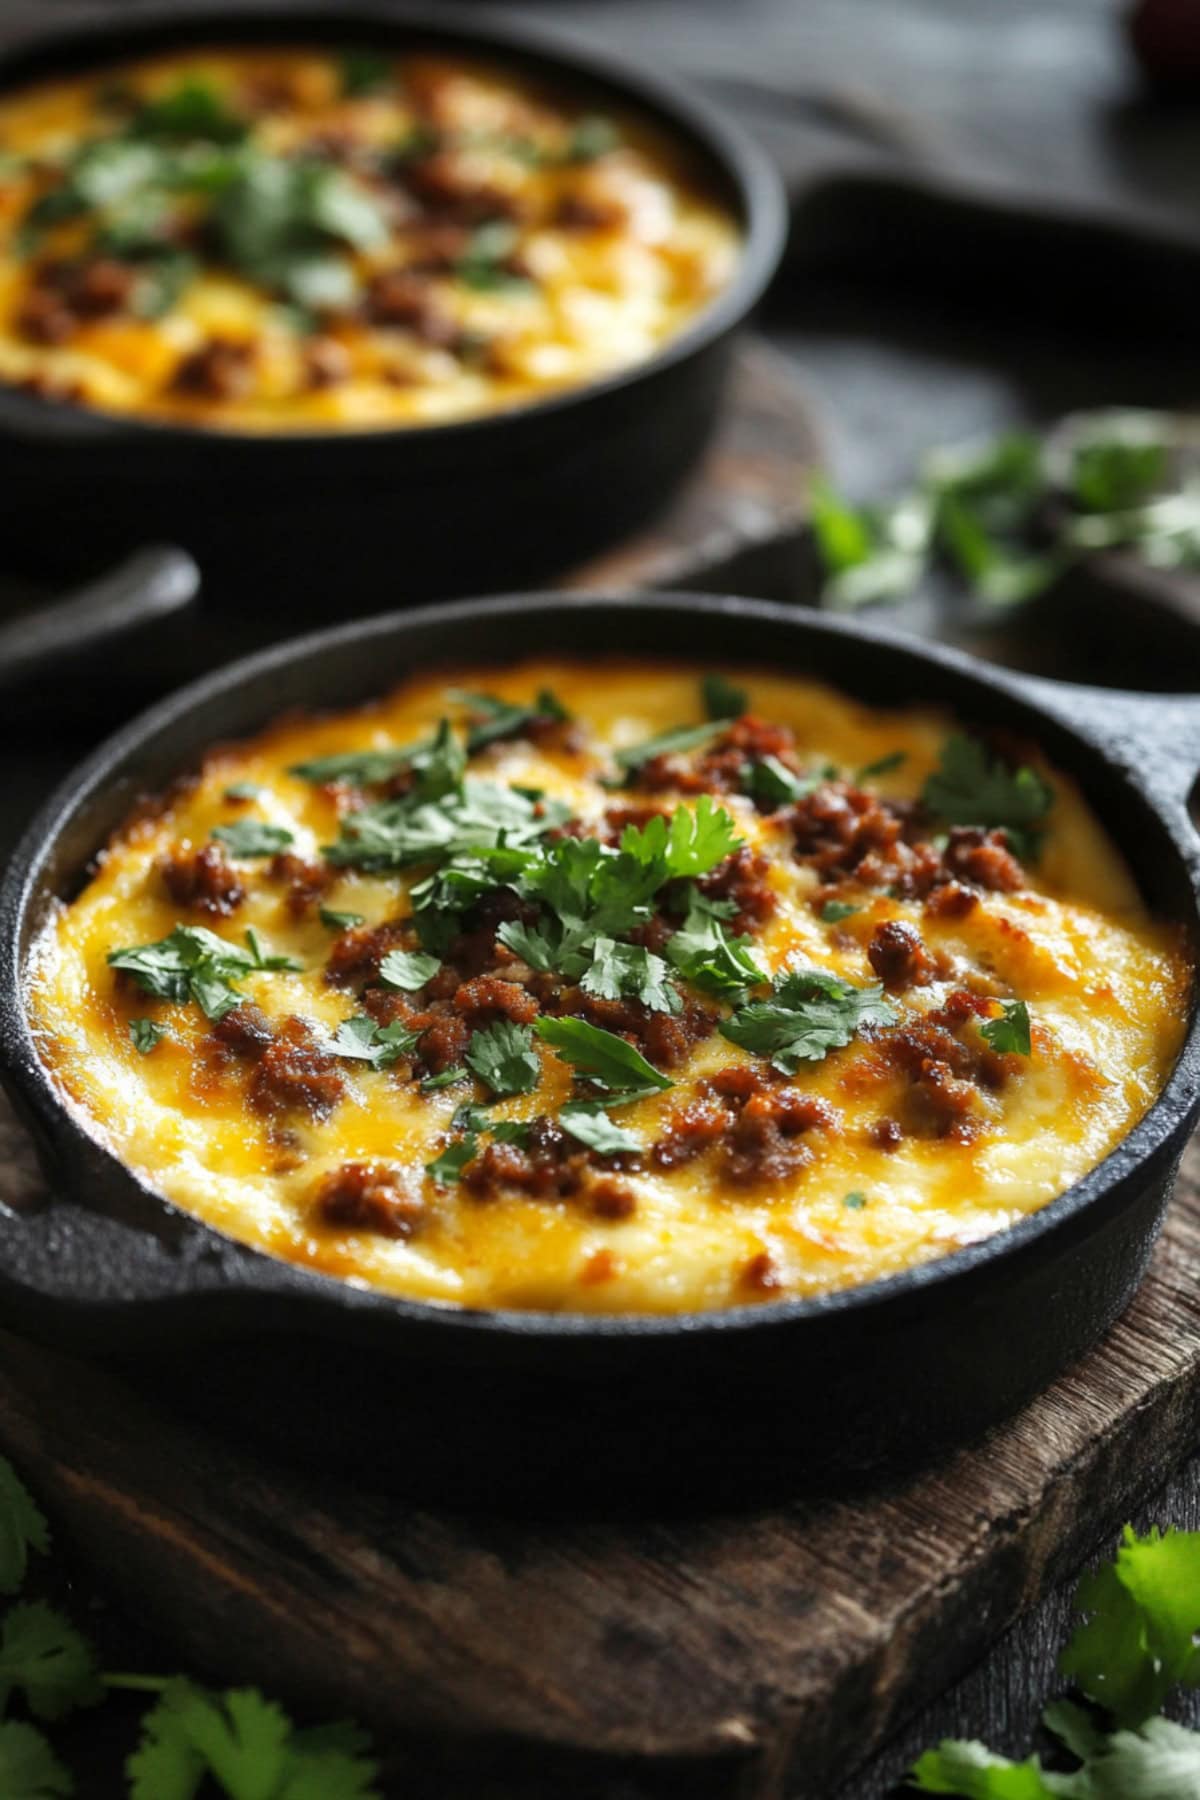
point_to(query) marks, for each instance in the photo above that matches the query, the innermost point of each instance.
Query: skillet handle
(1154, 737)
(150, 585)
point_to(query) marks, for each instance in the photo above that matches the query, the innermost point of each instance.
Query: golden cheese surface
(275, 239)
(747, 1181)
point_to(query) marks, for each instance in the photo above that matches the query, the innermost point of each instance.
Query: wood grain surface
(756, 1654)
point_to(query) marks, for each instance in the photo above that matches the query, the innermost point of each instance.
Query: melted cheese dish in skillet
(611, 988)
(282, 239)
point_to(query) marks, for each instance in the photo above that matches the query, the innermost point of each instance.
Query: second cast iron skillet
(483, 1405)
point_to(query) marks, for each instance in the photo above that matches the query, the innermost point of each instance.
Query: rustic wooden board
(733, 1657)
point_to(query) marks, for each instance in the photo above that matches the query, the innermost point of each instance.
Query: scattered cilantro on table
(1137, 1642)
(237, 1743)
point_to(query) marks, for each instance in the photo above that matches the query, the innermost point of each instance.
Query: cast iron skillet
(340, 521)
(485, 1405)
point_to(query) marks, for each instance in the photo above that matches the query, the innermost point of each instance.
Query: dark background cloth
(993, 223)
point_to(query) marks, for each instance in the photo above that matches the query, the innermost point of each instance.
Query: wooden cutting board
(747, 1656)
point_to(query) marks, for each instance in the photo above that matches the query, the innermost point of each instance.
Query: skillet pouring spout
(553, 1409)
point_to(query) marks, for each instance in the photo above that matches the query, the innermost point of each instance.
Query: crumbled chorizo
(984, 858)
(357, 952)
(63, 295)
(754, 1116)
(221, 369)
(898, 956)
(202, 879)
(305, 881)
(486, 998)
(742, 878)
(367, 1196)
(397, 297)
(295, 1075)
(245, 1030)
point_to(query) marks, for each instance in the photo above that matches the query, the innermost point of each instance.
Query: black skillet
(326, 522)
(488, 1405)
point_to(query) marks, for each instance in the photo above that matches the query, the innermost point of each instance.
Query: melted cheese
(642, 249)
(1106, 988)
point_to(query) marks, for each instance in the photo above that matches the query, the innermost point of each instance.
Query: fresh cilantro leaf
(834, 911)
(1158, 1761)
(591, 137)
(279, 218)
(486, 263)
(540, 946)
(249, 1749)
(722, 700)
(1122, 469)
(485, 816)
(510, 1131)
(29, 1769)
(1143, 1614)
(1009, 1034)
(380, 1045)
(146, 1034)
(503, 1056)
(969, 788)
(590, 1123)
(601, 1056)
(192, 963)
(363, 72)
(254, 837)
(408, 969)
(972, 1772)
(883, 765)
(494, 719)
(667, 743)
(243, 790)
(194, 109)
(44, 1658)
(855, 1201)
(771, 784)
(478, 1119)
(439, 766)
(629, 972)
(875, 554)
(340, 921)
(809, 1013)
(993, 568)
(695, 841)
(22, 1528)
(709, 958)
(447, 1167)
(360, 768)
(433, 1084)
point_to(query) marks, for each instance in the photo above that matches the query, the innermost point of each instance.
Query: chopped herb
(29, 1769)
(834, 911)
(693, 842)
(380, 1045)
(602, 1056)
(360, 768)
(874, 554)
(453, 1160)
(395, 834)
(503, 1056)
(196, 109)
(192, 963)
(340, 921)
(810, 1012)
(771, 784)
(709, 958)
(280, 220)
(629, 972)
(883, 765)
(494, 719)
(855, 1200)
(591, 137)
(590, 1123)
(477, 1119)
(433, 1084)
(254, 837)
(667, 743)
(487, 262)
(721, 699)
(243, 790)
(968, 788)
(146, 1034)
(363, 72)
(1009, 1034)
(408, 969)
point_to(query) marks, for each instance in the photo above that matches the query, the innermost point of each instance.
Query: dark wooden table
(1033, 95)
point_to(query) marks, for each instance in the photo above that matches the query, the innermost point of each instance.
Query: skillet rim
(259, 1274)
(675, 104)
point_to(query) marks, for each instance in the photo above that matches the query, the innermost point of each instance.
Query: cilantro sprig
(810, 1012)
(382, 1046)
(492, 719)
(504, 1058)
(1136, 1644)
(603, 1058)
(193, 963)
(238, 1743)
(707, 956)
(1009, 1033)
(970, 788)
